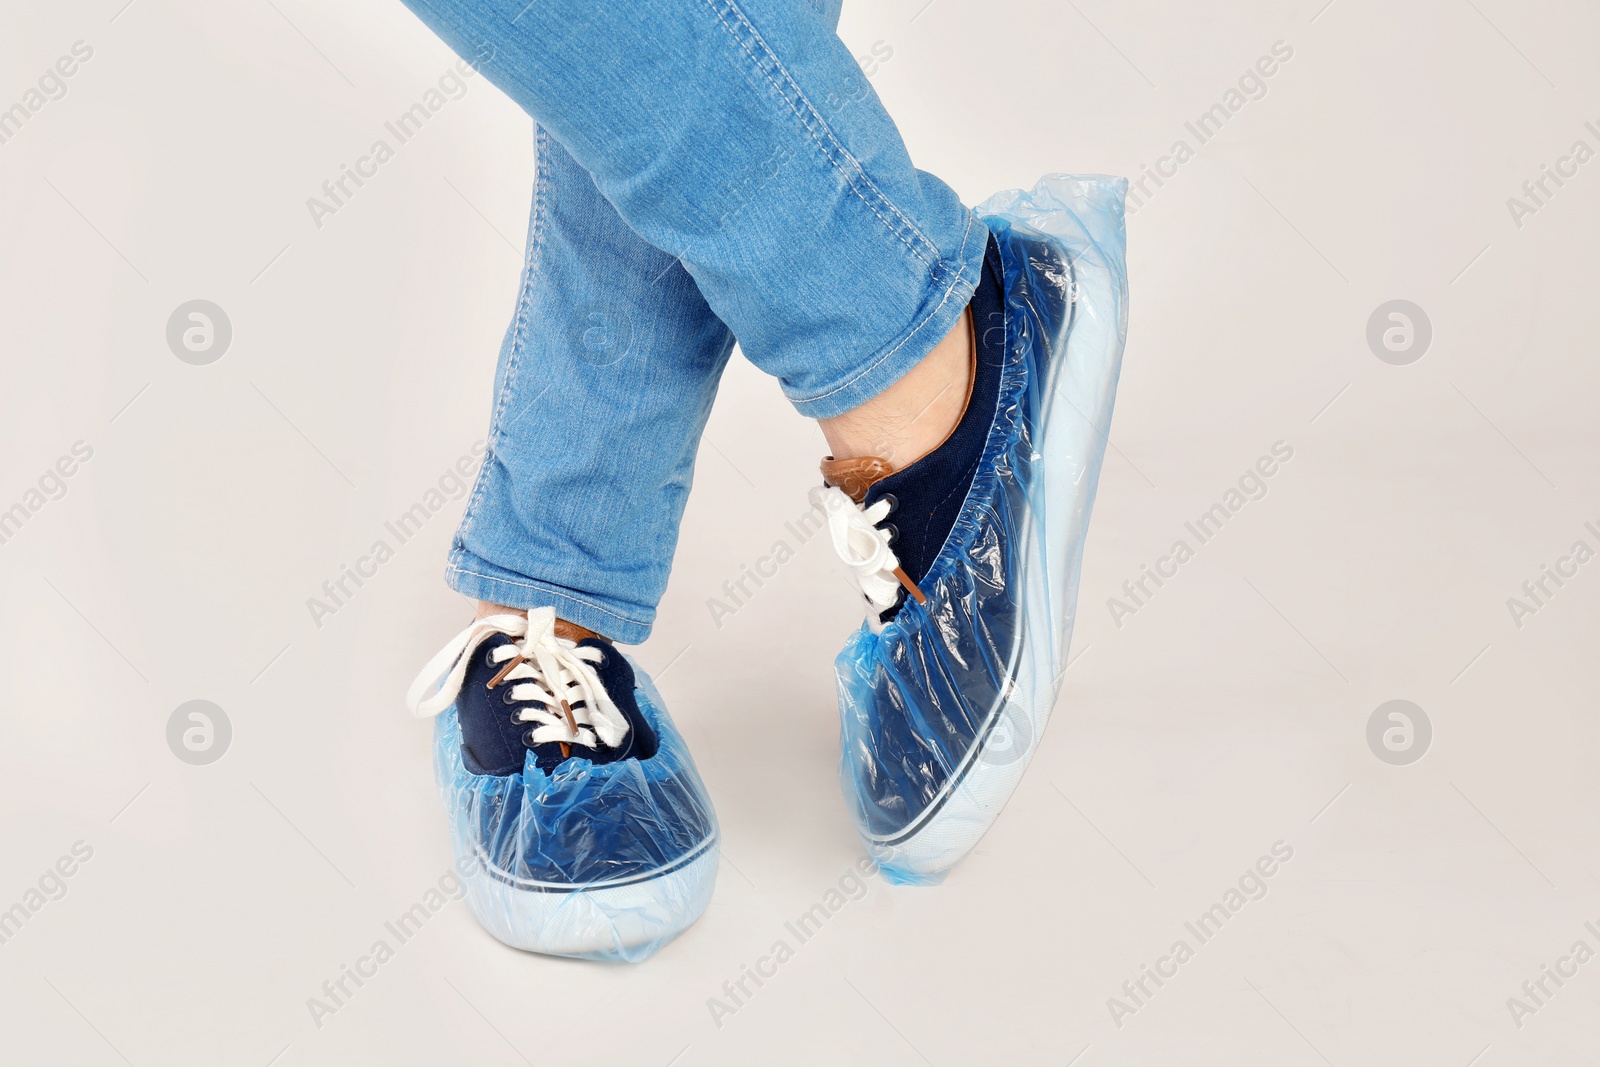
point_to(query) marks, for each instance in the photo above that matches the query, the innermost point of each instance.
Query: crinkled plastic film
(941, 712)
(602, 861)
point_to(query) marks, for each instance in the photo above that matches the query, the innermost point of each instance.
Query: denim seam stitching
(875, 364)
(541, 183)
(904, 230)
(549, 589)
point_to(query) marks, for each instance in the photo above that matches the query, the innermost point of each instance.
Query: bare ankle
(486, 608)
(916, 414)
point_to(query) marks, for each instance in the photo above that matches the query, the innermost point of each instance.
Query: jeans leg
(605, 379)
(741, 138)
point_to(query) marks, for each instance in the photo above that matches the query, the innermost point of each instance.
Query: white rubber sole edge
(625, 921)
(965, 812)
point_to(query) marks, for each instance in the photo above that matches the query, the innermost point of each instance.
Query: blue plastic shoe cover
(942, 710)
(597, 860)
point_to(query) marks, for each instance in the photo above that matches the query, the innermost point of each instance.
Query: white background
(1227, 714)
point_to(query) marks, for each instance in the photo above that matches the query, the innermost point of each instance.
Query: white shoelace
(864, 549)
(548, 669)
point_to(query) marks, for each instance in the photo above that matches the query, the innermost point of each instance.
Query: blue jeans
(706, 170)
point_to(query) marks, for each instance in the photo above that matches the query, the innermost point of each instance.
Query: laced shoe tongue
(638, 740)
(553, 678)
(571, 631)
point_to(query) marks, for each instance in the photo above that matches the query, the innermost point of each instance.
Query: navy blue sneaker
(578, 821)
(968, 558)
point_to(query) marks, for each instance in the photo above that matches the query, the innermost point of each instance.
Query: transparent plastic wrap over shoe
(942, 710)
(605, 861)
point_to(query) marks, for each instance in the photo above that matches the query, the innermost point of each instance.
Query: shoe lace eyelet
(488, 658)
(506, 697)
(892, 501)
(527, 740)
(892, 530)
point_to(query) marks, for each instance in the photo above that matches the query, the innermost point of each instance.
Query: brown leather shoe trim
(855, 476)
(571, 631)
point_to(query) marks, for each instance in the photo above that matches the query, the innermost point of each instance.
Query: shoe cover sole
(624, 921)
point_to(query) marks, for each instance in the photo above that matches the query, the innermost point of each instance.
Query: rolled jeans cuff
(481, 580)
(945, 298)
